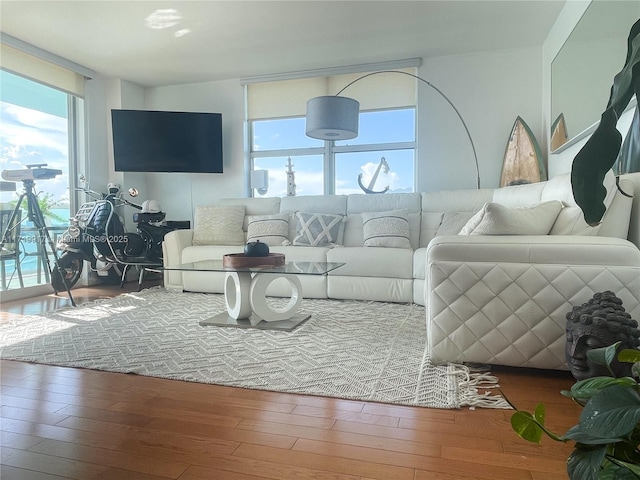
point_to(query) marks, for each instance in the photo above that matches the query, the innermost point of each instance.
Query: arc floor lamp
(336, 118)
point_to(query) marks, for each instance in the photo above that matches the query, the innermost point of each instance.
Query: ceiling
(216, 40)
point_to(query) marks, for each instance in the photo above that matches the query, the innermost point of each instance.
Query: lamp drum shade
(332, 118)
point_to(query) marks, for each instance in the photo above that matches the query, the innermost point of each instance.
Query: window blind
(40, 70)
(288, 98)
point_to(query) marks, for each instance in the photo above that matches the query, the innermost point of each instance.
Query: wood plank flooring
(64, 423)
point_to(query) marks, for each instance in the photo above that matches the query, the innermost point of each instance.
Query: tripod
(35, 215)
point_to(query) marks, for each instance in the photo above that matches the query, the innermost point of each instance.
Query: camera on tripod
(32, 172)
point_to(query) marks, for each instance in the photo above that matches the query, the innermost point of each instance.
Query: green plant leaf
(578, 434)
(585, 389)
(605, 355)
(634, 469)
(600, 152)
(612, 471)
(584, 463)
(629, 158)
(629, 356)
(526, 427)
(612, 412)
(539, 413)
(617, 469)
(626, 452)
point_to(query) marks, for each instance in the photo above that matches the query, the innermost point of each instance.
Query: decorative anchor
(383, 164)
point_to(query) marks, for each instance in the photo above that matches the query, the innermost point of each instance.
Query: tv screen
(156, 141)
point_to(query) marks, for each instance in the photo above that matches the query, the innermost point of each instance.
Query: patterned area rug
(370, 351)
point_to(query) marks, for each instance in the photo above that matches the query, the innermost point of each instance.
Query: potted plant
(607, 437)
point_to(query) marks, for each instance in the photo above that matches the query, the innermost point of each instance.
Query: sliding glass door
(37, 127)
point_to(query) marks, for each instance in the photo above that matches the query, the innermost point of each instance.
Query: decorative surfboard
(523, 161)
(559, 134)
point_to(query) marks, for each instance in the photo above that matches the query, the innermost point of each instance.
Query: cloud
(33, 131)
(30, 137)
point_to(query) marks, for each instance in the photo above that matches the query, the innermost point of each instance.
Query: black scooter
(96, 234)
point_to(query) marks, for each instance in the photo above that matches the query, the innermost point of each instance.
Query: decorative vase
(256, 249)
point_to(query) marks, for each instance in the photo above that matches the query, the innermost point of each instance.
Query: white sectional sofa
(490, 298)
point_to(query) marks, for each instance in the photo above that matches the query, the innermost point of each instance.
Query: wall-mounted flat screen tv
(157, 141)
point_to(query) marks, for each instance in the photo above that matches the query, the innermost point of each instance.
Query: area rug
(371, 351)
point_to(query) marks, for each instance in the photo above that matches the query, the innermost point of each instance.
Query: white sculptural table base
(245, 293)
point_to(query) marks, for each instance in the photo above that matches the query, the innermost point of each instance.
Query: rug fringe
(471, 382)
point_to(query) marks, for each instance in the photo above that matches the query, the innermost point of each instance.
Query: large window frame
(330, 151)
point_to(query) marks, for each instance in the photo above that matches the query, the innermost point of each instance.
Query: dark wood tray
(240, 260)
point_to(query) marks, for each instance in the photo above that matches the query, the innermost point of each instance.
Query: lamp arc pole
(455, 109)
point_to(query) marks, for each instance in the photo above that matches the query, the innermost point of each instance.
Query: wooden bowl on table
(240, 260)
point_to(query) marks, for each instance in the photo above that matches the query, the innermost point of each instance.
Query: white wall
(481, 86)
(490, 90)
(179, 193)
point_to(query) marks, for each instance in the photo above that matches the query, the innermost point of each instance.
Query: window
(39, 125)
(381, 158)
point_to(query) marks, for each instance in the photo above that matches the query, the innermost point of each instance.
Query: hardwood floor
(61, 423)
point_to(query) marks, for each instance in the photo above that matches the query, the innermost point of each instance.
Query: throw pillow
(318, 229)
(386, 229)
(218, 225)
(452, 222)
(270, 229)
(496, 219)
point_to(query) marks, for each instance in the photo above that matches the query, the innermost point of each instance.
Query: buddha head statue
(600, 322)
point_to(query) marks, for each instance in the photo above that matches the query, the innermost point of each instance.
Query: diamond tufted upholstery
(503, 299)
(514, 313)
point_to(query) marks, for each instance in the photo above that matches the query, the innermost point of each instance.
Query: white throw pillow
(386, 229)
(496, 219)
(318, 229)
(452, 222)
(270, 229)
(218, 225)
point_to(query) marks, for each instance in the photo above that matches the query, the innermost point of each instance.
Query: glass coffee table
(245, 293)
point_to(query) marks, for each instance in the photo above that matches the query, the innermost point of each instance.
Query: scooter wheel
(70, 268)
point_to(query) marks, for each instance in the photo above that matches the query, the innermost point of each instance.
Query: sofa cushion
(615, 222)
(270, 229)
(435, 204)
(208, 252)
(303, 253)
(218, 225)
(496, 219)
(318, 229)
(386, 229)
(372, 262)
(452, 222)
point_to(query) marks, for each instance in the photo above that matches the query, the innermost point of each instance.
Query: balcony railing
(35, 270)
